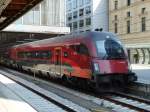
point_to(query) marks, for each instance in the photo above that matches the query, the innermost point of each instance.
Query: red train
(93, 57)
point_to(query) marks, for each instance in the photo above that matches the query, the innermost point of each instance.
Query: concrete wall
(136, 41)
(48, 13)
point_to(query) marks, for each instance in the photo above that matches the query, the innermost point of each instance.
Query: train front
(110, 63)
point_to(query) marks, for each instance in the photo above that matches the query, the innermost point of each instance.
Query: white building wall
(100, 14)
(48, 13)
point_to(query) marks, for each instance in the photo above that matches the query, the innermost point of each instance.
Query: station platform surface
(16, 98)
(10, 102)
(143, 72)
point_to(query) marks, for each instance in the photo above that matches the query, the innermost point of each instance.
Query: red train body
(95, 57)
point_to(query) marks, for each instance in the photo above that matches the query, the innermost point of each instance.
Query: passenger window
(28, 55)
(65, 54)
(46, 54)
(25, 55)
(35, 54)
(20, 54)
(82, 49)
(73, 47)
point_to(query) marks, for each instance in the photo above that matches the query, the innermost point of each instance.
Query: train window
(65, 54)
(28, 54)
(35, 54)
(20, 54)
(82, 49)
(110, 49)
(45, 54)
(73, 47)
(114, 49)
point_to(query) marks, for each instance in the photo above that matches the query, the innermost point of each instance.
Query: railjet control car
(96, 58)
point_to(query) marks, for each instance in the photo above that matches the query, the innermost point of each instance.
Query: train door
(58, 61)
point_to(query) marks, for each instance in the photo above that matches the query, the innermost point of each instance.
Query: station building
(87, 15)
(130, 20)
(45, 20)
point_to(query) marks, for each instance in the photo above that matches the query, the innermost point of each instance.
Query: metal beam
(16, 9)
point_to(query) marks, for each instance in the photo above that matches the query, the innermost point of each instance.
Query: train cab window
(82, 49)
(114, 49)
(110, 49)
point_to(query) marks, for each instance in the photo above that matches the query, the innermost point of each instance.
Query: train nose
(110, 66)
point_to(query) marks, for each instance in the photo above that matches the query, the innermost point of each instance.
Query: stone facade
(130, 20)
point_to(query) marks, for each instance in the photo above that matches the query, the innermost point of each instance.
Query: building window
(116, 4)
(81, 12)
(28, 19)
(81, 23)
(36, 15)
(116, 17)
(74, 4)
(75, 25)
(88, 30)
(116, 27)
(143, 24)
(88, 1)
(69, 6)
(128, 14)
(143, 10)
(128, 26)
(88, 10)
(69, 16)
(75, 14)
(128, 2)
(81, 2)
(88, 21)
(70, 25)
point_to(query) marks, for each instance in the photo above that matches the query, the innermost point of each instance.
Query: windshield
(110, 49)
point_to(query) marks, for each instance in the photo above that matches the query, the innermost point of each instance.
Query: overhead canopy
(10, 10)
(37, 29)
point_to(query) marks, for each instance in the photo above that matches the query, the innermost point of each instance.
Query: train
(91, 58)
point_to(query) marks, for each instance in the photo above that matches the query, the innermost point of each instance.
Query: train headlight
(96, 67)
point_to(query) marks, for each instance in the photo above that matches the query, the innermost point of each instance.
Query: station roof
(10, 10)
(37, 29)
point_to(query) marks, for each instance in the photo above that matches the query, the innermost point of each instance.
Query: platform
(16, 98)
(10, 102)
(143, 72)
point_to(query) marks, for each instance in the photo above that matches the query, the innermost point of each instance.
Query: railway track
(132, 103)
(63, 105)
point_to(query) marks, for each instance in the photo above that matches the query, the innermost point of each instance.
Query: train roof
(69, 37)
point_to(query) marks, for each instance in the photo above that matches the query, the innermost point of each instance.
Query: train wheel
(64, 80)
